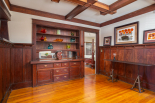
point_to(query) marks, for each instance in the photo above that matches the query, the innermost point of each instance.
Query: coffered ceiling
(88, 13)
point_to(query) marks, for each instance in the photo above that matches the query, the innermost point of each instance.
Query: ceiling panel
(61, 8)
(64, 7)
(108, 2)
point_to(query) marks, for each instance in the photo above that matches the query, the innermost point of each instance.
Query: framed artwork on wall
(107, 41)
(126, 34)
(149, 36)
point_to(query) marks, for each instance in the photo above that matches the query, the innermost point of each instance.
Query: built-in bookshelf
(51, 35)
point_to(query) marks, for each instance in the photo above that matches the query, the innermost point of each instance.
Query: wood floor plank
(91, 89)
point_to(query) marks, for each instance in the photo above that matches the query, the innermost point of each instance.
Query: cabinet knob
(57, 77)
(57, 70)
(65, 64)
(45, 65)
(65, 76)
(57, 64)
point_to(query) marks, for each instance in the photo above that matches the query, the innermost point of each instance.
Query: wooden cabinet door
(44, 76)
(74, 72)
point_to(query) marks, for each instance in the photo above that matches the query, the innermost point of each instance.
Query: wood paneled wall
(127, 72)
(5, 84)
(15, 68)
(21, 71)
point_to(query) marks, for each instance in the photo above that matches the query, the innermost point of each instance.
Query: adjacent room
(90, 55)
(77, 51)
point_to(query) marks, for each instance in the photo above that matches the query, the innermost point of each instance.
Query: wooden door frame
(97, 51)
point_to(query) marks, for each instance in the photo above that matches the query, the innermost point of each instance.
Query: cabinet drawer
(61, 77)
(41, 66)
(61, 71)
(57, 65)
(65, 64)
(75, 63)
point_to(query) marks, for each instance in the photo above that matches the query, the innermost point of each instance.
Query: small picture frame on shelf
(149, 36)
(107, 41)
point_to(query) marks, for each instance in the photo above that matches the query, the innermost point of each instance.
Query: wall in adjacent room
(146, 22)
(20, 26)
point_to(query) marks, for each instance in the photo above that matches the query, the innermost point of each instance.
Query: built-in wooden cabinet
(49, 69)
(56, 71)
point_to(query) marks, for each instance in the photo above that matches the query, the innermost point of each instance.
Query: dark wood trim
(130, 15)
(60, 25)
(7, 3)
(97, 54)
(127, 25)
(6, 95)
(119, 4)
(57, 1)
(77, 10)
(21, 85)
(50, 15)
(4, 12)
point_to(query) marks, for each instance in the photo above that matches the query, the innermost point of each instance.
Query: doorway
(89, 53)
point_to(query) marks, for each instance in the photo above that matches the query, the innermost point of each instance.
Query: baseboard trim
(21, 85)
(7, 94)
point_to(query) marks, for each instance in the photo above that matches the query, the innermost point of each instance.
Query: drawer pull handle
(65, 64)
(45, 65)
(57, 70)
(65, 76)
(74, 63)
(57, 77)
(57, 64)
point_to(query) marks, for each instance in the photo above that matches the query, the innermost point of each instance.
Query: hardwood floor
(91, 89)
(89, 71)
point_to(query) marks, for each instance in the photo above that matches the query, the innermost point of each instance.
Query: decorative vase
(72, 34)
(50, 46)
(43, 30)
(42, 38)
(45, 39)
(58, 32)
(58, 55)
(72, 40)
(68, 46)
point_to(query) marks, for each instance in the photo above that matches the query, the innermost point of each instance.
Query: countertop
(46, 61)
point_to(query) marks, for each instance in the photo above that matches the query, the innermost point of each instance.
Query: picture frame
(149, 36)
(126, 34)
(107, 41)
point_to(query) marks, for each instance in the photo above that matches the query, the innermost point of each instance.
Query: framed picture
(126, 34)
(149, 36)
(107, 41)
